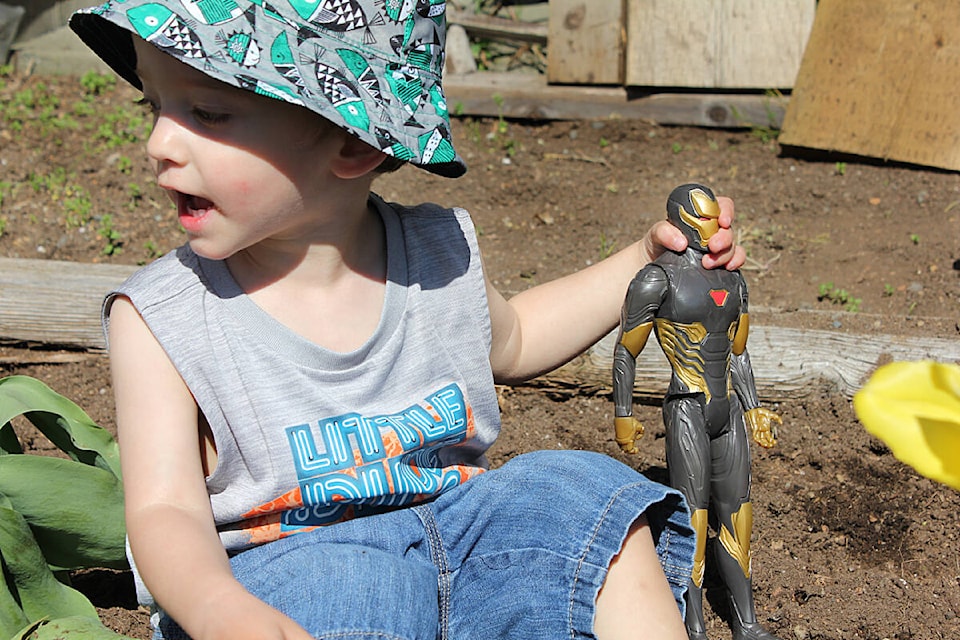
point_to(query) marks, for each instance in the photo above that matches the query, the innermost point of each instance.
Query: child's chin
(207, 250)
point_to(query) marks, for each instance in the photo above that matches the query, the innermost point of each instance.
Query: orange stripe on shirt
(290, 500)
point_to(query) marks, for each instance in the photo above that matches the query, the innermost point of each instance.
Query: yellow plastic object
(914, 407)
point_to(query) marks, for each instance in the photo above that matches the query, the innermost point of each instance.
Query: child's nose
(166, 142)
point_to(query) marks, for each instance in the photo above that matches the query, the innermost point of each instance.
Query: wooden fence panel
(717, 44)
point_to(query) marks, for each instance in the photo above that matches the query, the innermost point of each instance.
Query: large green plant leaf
(12, 616)
(39, 592)
(55, 514)
(59, 419)
(72, 628)
(75, 511)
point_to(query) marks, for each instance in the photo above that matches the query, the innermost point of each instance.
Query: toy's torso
(696, 323)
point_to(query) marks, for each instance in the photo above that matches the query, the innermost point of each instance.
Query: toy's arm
(741, 372)
(760, 421)
(644, 296)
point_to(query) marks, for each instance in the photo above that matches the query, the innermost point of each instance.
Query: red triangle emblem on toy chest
(719, 296)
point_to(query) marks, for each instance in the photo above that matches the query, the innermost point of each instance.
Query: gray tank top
(306, 436)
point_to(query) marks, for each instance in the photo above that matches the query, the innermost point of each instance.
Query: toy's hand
(628, 431)
(761, 421)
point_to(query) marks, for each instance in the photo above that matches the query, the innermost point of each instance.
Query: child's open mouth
(191, 210)
(194, 205)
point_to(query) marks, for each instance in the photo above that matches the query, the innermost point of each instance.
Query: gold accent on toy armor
(740, 338)
(627, 431)
(698, 520)
(737, 542)
(760, 421)
(705, 218)
(681, 345)
(635, 339)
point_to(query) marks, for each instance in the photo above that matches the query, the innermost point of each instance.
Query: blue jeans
(519, 552)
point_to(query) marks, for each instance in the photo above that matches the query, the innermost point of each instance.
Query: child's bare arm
(545, 326)
(169, 521)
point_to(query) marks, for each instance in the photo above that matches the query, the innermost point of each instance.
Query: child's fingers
(663, 236)
(731, 257)
(726, 211)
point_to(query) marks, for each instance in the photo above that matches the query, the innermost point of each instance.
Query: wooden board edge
(529, 96)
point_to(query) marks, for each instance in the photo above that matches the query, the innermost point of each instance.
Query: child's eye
(210, 117)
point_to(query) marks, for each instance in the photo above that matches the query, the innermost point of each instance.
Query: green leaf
(71, 628)
(55, 514)
(59, 419)
(12, 616)
(75, 511)
(39, 592)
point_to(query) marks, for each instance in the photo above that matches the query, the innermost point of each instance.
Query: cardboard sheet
(881, 78)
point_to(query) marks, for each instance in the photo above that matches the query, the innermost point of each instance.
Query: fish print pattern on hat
(372, 67)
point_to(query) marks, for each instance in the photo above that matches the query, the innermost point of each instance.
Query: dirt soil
(848, 542)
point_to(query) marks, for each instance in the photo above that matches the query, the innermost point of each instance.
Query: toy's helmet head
(693, 209)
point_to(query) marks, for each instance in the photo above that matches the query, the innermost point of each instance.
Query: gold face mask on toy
(697, 217)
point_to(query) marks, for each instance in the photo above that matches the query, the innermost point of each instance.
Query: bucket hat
(372, 67)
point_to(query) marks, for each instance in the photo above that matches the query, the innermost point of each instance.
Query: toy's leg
(731, 499)
(688, 462)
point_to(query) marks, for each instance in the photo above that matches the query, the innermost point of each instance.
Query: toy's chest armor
(695, 325)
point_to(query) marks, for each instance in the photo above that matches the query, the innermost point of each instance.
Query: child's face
(241, 168)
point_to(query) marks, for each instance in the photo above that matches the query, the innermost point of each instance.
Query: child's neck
(299, 285)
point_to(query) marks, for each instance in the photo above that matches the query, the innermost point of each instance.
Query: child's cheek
(241, 188)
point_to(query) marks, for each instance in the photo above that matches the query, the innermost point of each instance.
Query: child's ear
(356, 159)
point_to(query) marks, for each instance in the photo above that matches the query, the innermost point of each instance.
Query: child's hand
(724, 252)
(253, 619)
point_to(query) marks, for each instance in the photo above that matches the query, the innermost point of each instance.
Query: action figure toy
(701, 322)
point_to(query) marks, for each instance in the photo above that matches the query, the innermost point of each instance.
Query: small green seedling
(606, 246)
(836, 295)
(113, 243)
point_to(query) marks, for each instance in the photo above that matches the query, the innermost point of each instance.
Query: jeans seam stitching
(583, 556)
(439, 557)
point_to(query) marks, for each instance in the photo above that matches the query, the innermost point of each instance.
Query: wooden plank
(459, 54)
(493, 28)
(787, 363)
(58, 304)
(55, 302)
(32, 357)
(586, 42)
(519, 95)
(721, 44)
(879, 79)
